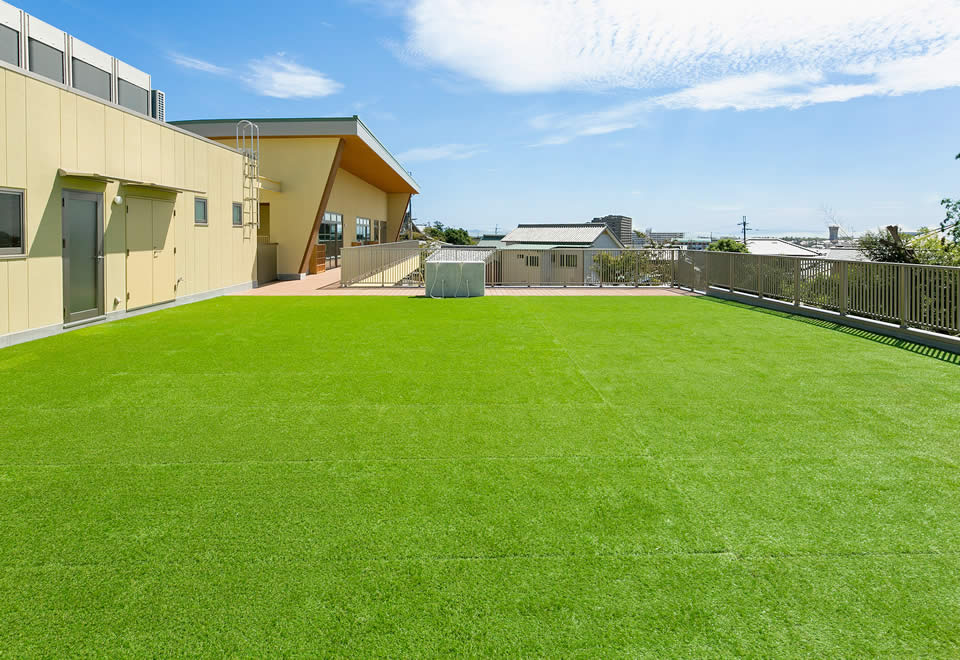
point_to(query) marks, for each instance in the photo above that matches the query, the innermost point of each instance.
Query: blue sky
(683, 114)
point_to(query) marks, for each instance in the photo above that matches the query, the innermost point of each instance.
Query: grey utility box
(454, 279)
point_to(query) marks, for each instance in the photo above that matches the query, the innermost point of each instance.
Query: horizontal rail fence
(911, 296)
(402, 264)
(386, 264)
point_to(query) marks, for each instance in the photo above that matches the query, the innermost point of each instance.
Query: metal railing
(401, 264)
(387, 264)
(913, 297)
(908, 295)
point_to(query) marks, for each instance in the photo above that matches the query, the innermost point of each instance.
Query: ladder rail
(248, 144)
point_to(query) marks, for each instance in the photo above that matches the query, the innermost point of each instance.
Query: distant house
(775, 247)
(548, 237)
(551, 254)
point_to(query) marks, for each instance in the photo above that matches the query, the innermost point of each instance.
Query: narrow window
(237, 214)
(200, 211)
(9, 45)
(45, 60)
(363, 230)
(533, 261)
(11, 222)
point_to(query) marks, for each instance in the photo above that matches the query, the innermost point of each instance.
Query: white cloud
(544, 45)
(188, 62)
(281, 77)
(274, 75)
(761, 91)
(441, 152)
(703, 54)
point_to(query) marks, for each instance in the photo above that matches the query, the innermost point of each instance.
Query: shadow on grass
(902, 344)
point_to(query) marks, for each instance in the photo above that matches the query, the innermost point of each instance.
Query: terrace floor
(670, 476)
(328, 284)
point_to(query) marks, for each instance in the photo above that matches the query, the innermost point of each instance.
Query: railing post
(759, 278)
(902, 294)
(843, 288)
(796, 281)
(730, 257)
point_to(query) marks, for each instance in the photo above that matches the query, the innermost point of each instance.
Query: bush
(727, 245)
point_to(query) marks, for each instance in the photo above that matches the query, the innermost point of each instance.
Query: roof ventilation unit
(158, 103)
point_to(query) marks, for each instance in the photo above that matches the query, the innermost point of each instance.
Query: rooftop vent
(158, 105)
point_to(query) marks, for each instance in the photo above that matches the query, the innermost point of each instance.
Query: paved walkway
(328, 284)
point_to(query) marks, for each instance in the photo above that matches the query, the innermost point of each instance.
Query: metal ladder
(248, 144)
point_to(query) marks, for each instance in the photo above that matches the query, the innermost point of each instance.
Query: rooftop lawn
(536, 476)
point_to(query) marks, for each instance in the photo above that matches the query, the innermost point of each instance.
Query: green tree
(457, 236)
(931, 248)
(727, 245)
(886, 246)
(453, 235)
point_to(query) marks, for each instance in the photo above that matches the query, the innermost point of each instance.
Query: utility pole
(743, 223)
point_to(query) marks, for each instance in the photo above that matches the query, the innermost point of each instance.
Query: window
(11, 222)
(237, 214)
(533, 261)
(564, 260)
(363, 230)
(331, 229)
(9, 45)
(88, 78)
(132, 96)
(199, 211)
(379, 231)
(45, 60)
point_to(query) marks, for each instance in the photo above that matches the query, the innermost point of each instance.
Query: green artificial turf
(499, 476)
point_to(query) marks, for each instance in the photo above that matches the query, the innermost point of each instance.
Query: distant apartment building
(663, 236)
(699, 243)
(620, 226)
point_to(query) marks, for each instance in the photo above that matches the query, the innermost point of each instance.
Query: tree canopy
(727, 245)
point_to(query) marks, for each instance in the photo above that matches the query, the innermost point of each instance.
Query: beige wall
(44, 127)
(302, 166)
(355, 198)
(396, 209)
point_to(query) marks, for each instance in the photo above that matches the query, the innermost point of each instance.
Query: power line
(743, 223)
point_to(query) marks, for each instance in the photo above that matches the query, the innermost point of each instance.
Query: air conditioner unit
(158, 105)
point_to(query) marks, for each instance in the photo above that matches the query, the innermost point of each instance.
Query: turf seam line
(647, 458)
(728, 554)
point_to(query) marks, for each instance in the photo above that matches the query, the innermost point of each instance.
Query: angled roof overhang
(363, 155)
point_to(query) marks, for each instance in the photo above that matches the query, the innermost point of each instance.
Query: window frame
(74, 61)
(22, 250)
(138, 88)
(206, 212)
(18, 63)
(368, 235)
(233, 217)
(331, 219)
(31, 57)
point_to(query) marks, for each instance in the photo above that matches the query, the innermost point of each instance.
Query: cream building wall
(45, 127)
(355, 198)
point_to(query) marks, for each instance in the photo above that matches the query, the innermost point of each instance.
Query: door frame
(171, 229)
(96, 197)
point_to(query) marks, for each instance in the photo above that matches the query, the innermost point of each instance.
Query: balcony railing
(910, 296)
